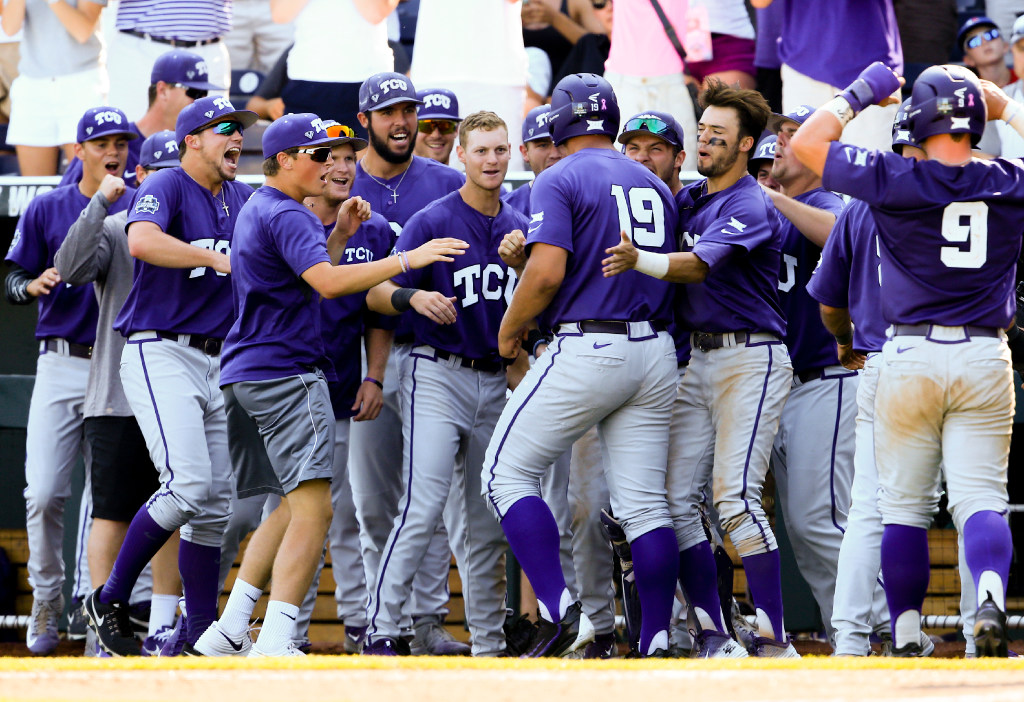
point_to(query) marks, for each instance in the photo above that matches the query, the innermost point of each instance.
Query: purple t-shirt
(769, 27)
(833, 41)
(949, 236)
(423, 182)
(737, 232)
(519, 198)
(183, 300)
(848, 276)
(68, 312)
(810, 345)
(344, 318)
(276, 332)
(581, 204)
(481, 283)
(73, 173)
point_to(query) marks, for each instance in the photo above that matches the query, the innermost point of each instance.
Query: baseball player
(122, 474)
(610, 334)
(66, 331)
(436, 124)
(178, 79)
(397, 184)
(539, 153)
(455, 394)
(739, 375)
(949, 236)
(274, 371)
(813, 453)
(655, 139)
(175, 319)
(760, 164)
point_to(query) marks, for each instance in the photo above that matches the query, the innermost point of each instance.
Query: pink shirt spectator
(640, 46)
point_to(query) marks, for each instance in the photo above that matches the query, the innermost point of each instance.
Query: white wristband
(839, 107)
(652, 264)
(1014, 116)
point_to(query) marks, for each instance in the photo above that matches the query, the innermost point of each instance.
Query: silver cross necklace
(394, 190)
(223, 201)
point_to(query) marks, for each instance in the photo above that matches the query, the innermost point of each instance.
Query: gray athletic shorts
(280, 433)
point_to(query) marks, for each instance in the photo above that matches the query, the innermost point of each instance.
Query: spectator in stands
(255, 41)
(1011, 145)
(9, 57)
(732, 44)
(316, 82)
(60, 77)
(590, 52)
(556, 25)
(178, 79)
(766, 55)
(146, 29)
(984, 52)
(928, 31)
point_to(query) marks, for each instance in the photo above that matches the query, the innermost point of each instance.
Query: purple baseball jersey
(581, 204)
(481, 283)
(849, 275)
(833, 41)
(949, 236)
(343, 319)
(183, 300)
(519, 199)
(276, 332)
(68, 312)
(73, 173)
(738, 234)
(810, 345)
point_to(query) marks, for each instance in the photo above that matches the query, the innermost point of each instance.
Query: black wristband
(846, 339)
(534, 338)
(401, 299)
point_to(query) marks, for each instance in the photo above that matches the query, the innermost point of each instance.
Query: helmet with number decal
(947, 100)
(901, 135)
(583, 103)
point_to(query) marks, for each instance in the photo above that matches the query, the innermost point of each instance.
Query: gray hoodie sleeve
(84, 256)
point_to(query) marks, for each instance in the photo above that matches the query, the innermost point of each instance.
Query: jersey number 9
(975, 232)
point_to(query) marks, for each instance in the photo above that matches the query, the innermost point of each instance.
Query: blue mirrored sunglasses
(977, 40)
(648, 124)
(227, 128)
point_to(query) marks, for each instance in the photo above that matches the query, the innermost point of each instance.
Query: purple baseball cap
(659, 124)
(159, 150)
(384, 89)
(300, 130)
(438, 103)
(765, 150)
(103, 121)
(970, 24)
(799, 115)
(179, 66)
(535, 124)
(208, 111)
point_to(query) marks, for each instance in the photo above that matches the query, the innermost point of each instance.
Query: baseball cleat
(432, 639)
(518, 633)
(381, 646)
(770, 648)
(990, 630)
(603, 646)
(290, 649)
(153, 645)
(217, 642)
(555, 639)
(77, 625)
(112, 625)
(355, 637)
(176, 639)
(42, 636)
(715, 644)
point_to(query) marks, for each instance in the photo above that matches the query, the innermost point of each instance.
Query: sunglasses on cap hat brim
(342, 134)
(654, 126)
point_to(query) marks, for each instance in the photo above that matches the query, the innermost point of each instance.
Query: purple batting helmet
(901, 135)
(947, 100)
(581, 104)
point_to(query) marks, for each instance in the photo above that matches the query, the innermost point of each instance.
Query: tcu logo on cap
(802, 111)
(222, 103)
(437, 99)
(170, 146)
(108, 116)
(317, 127)
(542, 119)
(393, 83)
(201, 68)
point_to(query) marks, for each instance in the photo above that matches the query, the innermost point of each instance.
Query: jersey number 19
(642, 205)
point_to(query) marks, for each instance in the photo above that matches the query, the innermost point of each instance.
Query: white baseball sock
(238, 611)
(279, 627)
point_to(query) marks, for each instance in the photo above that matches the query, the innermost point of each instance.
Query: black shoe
(910, 650)
(77, 623)
(518, 633)
(554, 639)
(189, 650)
(112, 625)
(990, 631)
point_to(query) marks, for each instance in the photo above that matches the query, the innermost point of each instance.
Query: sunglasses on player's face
(978, 39)
(227, 128)
(318, 155)
(193, 93)
(445, 126)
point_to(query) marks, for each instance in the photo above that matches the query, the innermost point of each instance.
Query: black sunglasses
(194, 93)
(317, 155)
(445, 126)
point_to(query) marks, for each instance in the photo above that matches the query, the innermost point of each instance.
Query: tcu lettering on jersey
(437, 99)
(359, 253)
(219, 245)
(786, 283)
(487, 282)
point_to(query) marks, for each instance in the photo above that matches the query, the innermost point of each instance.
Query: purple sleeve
(551, 222)
(864, 174)
(28, 248)
(414, 233)
(739, 228)
(156, 200)
(300, 240)
(830, 282)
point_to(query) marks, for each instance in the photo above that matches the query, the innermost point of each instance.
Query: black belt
(707, 341)
(73, 349)
(171, 42)
(592, 326)
(926, 330)
(807, 376)
(207, 344)
(477, 364)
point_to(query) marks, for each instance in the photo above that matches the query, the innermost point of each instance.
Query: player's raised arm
(875, 85)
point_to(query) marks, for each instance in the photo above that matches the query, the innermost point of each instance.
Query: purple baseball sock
(905, 569)
(532, 534)
(144, 538)
(655, 566)
(699, 578)
(988, 546)
(765, 583)
(200, 568)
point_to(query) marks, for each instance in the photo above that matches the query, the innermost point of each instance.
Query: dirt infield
(362, 679)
